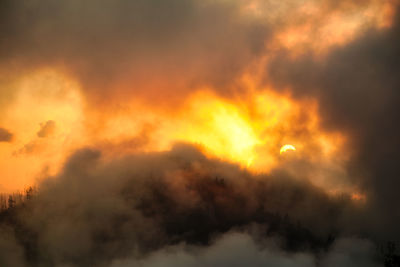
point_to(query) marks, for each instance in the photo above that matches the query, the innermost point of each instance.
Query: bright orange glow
(42, 96)
(221, 127)
(247, 129)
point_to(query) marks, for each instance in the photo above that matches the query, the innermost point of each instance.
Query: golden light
(245, 130)
(42, 96)
(220, 126)
(286, 148)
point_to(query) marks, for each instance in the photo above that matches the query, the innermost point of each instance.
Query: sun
(287, 147)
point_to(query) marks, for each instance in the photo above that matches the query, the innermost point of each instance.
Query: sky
(134, 103)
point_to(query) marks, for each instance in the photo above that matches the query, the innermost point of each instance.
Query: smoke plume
(161, 123)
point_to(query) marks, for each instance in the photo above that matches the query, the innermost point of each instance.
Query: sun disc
(285, 148)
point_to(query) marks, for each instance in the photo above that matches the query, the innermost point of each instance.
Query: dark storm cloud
(357, 86)
(5, 135)
(97, 211)
(153, 47)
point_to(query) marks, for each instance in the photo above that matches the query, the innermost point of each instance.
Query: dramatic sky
(103, 101)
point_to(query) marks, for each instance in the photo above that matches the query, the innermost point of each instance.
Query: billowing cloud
(162, 50)
(227, 82)
(138, 208)
(94, 212)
